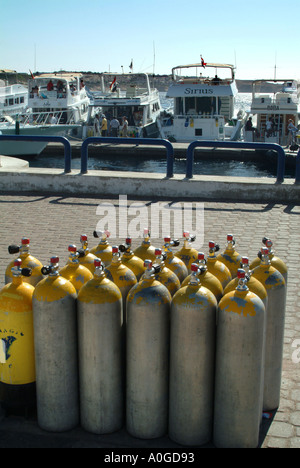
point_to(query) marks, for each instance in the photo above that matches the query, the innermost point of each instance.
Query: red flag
(113, 82)
(31, 74)
(202, 62)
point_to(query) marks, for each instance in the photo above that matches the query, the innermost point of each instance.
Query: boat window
(190, 106)
(205, 105)
(179, 106)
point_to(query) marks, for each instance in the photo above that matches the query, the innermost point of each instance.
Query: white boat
(204, 98)
(274, 104)
(61, 93)
(13, 97)
(129, 95)
(57, 106)
(23, 124)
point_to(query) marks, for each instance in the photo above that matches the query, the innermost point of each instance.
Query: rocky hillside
(161, 82)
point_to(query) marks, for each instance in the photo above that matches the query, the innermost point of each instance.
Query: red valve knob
(241, 273)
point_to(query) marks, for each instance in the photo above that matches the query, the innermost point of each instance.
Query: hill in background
(161, 82)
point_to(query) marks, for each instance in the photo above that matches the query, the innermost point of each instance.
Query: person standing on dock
(292, 130)
(104, 126)
(114, 127)
(124, 127)
(96, 125)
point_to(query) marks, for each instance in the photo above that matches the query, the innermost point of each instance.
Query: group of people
(114, 128)
(271, 128)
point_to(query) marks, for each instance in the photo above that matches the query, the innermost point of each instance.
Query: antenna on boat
(34, 58)
(153, 58)
(275, 66)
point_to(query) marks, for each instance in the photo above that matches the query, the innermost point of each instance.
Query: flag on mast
(131, 65)
(31, 74)
(113, 82)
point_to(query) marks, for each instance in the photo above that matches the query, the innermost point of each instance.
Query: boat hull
(26, 148)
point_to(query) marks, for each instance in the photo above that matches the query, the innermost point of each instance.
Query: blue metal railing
(160, 142)
(297, 174)
(236, 144)
(47, 139)
(128, 141)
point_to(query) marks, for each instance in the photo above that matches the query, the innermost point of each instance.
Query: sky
(261, 38)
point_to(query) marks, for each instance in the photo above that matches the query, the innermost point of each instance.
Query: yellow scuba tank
(17, 363)
(216, 267)
(28, 261)
(276, 262)
(230, 257)
(208, 280)
(103, 250)
(173, 262)
(187, 253)
(86, 258)
(129, 259)
(77, 274)
(145, 251)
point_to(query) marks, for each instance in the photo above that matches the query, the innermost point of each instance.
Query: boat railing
(128, 141)
(42, 118)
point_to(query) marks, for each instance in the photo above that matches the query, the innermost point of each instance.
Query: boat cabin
(203, 97)
(274, 104)
(13, 95)
(61, 93)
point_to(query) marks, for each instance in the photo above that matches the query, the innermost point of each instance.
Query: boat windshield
(208, 73)
(56, 86)
(131, 84)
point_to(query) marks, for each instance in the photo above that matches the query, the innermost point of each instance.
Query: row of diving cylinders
(168, 343)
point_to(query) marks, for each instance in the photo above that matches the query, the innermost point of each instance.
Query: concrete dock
(53, 214)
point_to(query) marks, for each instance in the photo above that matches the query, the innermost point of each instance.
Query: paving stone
(53, 222)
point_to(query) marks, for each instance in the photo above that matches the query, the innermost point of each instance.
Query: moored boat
(204, 97)
(129, 95)
(13, 96)
(274, 112)
(63, 94)
(57, 106)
